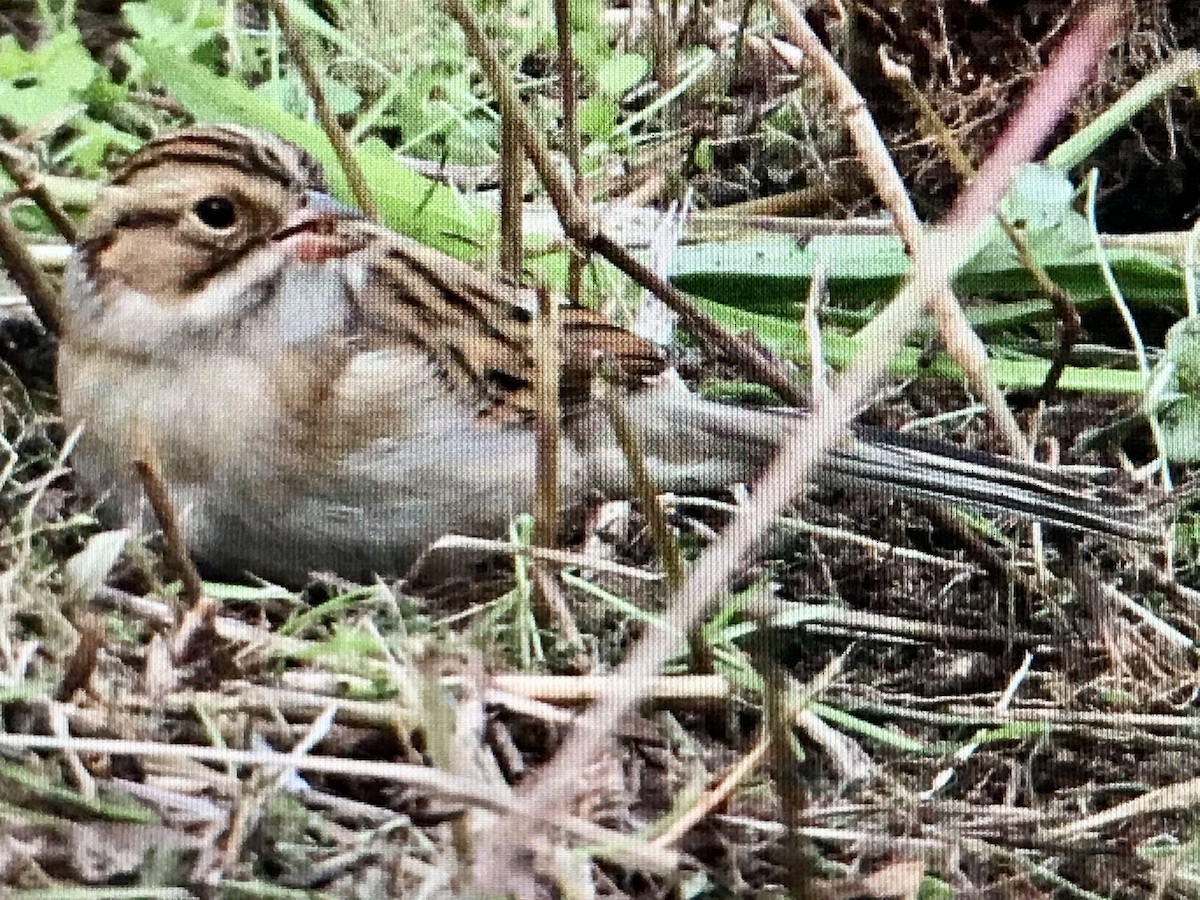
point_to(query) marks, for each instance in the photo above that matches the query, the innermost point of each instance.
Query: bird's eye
(216, 212)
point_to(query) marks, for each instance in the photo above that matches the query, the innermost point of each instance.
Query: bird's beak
(313, 233)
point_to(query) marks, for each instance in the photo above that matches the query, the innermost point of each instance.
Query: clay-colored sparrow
(327, 395)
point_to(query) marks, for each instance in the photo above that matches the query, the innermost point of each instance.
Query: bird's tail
(923, 468)
(696, 444)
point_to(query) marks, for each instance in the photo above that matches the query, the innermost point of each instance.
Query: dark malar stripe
(464, 364)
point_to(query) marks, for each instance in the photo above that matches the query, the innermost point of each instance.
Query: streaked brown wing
(478, 330)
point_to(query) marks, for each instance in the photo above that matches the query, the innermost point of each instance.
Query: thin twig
(30, 184)
(448, 786)
(149, 470)
(880, 549)
(547, 554)
(42, 297)
(963, 344)
(548, 437)
(512, 196)
(643, 484)
(571, 142)
(548, 359)
(294, 39)
(716, 796)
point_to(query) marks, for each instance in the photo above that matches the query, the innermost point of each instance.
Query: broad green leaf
(935, 889)
(620, 72)
(1173, 394)
(179, 25)
(786, 338)
(35, 84)
(286, 93)
(769, 273)
(342, 98)
(597, 117)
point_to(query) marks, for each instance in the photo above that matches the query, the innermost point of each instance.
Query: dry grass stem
(876, 548)
(568, 83)
(1172, 798)
(548, 358)
(512, 206)
(574, 689)
(1107, 725)
(848, 760)
(544, 554)
(149, 470)
(716, 796)
(24, 270)
(446, 786)
(968, 750)
(226, 628)
(865, 626)
(552, 599)
(818, 376)
(643, 484)
(1060, 298)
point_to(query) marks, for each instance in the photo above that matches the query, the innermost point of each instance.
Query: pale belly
(252, 499)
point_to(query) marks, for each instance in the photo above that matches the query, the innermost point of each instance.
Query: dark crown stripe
(220, 147)
(192, 158)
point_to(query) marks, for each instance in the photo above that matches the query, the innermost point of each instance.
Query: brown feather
(477, 330)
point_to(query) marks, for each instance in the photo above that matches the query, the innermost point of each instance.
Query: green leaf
(1039, 206)
(886, 736)
(620, 72)
(1173, 394)
(38, 83)
(410, 203)
(935, 889)
(33, 790)
(587, 16)
(784, 337)
(591, 50)
(88, 152)
(597, 117)
(342, 98)
(182, 25)
(769, 273)
(286, 93)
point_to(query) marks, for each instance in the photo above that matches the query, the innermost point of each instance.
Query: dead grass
(880, 715)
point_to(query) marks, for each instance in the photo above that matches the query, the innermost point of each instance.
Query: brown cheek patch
(151, 264)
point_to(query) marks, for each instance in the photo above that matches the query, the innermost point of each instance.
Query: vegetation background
(892, 703)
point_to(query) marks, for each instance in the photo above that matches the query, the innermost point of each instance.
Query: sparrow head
(196, 222)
